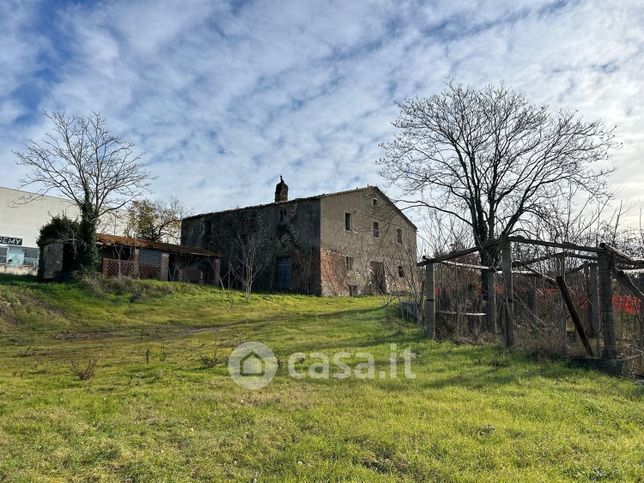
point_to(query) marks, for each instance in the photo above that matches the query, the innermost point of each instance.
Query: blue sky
(223, 97)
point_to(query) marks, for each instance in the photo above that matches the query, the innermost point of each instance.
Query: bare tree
(491, 159)
(246, 253)
(627, 239)
(156, 221)
(439, 231)
(247, 260)
(95, 169)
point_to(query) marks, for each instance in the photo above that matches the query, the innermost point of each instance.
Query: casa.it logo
(252, 365)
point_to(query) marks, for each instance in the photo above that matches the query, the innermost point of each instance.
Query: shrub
(87, 371)
(209, 361)
(59, 229)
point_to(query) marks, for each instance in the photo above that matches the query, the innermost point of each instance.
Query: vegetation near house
(155, 221)
(155, 410)
(94, 168)
(85, 370)
(59, 229)
(493, 161)
(465, 306)
(137, 371)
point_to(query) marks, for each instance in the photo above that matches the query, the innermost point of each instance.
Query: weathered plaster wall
(337, 243)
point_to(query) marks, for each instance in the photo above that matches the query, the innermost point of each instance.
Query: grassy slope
(471, 413)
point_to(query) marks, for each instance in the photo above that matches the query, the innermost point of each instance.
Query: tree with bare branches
(246, 249)
(491, 159)
(92, 167)
(156, 221)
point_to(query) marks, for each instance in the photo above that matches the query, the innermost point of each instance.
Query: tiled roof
(307, 198)
(113, 240)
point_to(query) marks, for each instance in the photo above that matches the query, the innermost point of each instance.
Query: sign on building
(10, 240)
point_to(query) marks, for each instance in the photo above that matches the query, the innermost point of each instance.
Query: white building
(22, 214)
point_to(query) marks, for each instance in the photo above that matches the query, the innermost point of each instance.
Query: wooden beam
(590, 258)
(528, 273)
(620, 254)
(626, 281)
(562, 245)
(632, 271)
(548, 279)
(466, 314)
(543, 258)
(563, 330)
(565, 293)
(457, 254)
(466, 265)
(430, 302)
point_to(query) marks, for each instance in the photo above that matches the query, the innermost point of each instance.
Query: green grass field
(471, 413)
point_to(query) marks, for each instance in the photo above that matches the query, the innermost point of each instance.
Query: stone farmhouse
(346, 243)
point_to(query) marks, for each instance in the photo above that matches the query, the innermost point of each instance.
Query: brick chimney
(281, 191)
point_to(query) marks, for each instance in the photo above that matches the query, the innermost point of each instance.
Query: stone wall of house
(377, 263)
(280, 231)
(310, 236)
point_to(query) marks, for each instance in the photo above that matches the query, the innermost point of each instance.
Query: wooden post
(574, 315)
(135, 260)
(640, 285)
(430, 303)
(606, 305)
(490, 302)
(593, 301)
(164, 268)
(508, 292)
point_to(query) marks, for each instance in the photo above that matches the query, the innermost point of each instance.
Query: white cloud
(223, 99)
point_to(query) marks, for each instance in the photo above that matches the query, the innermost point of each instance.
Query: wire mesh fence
(550, 301)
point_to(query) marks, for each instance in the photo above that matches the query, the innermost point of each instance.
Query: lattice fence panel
(149, 271)
(118, 268)
(459, 305)
(192, 275)
(629, 329)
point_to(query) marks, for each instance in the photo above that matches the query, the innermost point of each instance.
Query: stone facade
(325, 245)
